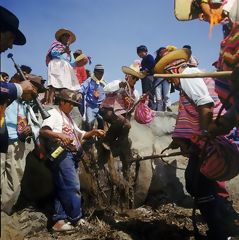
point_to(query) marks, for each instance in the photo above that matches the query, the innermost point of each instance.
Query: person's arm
(197, 91)
(94, 132)
(48, 133)
(9, 91)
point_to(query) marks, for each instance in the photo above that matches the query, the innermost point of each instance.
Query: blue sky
(107, 30)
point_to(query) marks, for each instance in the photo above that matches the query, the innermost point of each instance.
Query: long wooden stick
(155, 156)
(195, 75)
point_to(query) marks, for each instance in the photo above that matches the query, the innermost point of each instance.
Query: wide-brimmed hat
(37, 81)
(81, 57)
(133, 70)
(177, 54)
(61, 31)
(69, 96)
(9, 20)
(185, 10)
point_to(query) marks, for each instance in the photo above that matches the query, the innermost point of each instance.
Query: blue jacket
(88, 88)
(7, 91)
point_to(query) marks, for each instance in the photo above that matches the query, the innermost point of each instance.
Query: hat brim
(74, 103)
(130, 71)
(20, 39)
(177, 54)
(61, 31)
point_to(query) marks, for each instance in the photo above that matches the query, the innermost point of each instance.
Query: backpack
(221, 160)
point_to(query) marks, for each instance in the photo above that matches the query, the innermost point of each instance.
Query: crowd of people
(69, 84)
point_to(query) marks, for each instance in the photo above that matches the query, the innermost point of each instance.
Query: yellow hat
(177, 54)
(133, 70)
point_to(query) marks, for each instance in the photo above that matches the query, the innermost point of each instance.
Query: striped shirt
(187, 124)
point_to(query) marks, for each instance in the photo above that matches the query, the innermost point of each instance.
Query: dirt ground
(167, 222)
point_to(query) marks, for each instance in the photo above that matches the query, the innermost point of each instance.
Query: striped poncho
(187, 124)
(228, 60)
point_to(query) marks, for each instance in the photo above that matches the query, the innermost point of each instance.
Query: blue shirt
(148, 63)
(89, 88)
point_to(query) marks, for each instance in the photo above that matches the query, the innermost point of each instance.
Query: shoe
(62, 226)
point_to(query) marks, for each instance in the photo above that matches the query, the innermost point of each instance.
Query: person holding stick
(198, 105)
(10, 35)
(226, 13)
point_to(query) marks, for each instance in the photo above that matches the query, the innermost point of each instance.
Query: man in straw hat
(120, 98)
(61, 62)
(63, 143)
(22, 126)
(198, 104)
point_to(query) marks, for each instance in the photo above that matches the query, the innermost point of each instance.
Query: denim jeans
(162, 94)
(67, 202)
(92, 114)
(147, 87)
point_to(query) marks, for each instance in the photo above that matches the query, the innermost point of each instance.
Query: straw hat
(61, 31)
(133, 70)
(177, 54)
(81, 57)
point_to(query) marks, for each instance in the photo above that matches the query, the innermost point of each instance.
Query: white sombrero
(61, 31)
(133, 70)
(177, 54)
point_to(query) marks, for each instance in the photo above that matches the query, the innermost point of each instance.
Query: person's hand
(65, 139)
(122, 84)
(27, 131)
(28, 88)
(99, 132)
(222, 127)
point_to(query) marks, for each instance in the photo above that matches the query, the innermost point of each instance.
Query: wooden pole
(149, 157)
(195, 75)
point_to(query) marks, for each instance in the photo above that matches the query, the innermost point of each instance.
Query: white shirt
(55, 122)
(114, 86)
(195, 88)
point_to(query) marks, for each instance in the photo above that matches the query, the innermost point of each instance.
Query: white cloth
(114, 86)
(62, 75)
(195, 88)
(55, 122)
(232, 6)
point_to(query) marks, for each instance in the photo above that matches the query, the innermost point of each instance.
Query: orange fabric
(215, 18)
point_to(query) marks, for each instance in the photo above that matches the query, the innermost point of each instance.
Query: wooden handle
(196, 75)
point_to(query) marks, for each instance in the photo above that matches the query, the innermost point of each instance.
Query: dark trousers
(147, 87)
(206, 196)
